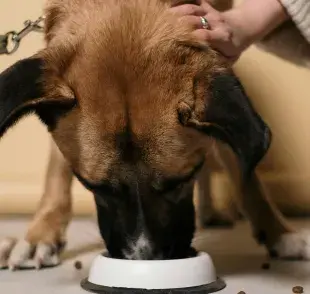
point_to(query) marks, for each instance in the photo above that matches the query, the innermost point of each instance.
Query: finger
(219, 40)
(196, 21)
(213, 20)
(193, 21)
(201, 36)
(220, 35)
(188, 9)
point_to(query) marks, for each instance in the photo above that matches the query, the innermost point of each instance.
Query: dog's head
(131, 108)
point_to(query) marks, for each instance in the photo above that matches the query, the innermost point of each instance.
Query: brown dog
(132, 103)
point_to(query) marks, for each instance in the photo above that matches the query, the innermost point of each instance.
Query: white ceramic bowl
(152, 274)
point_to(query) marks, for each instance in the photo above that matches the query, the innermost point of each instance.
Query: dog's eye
(176, 183)
(177, 193)
(101, 188)
(173, 186)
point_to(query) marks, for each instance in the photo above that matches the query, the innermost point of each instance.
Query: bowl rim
(105, 254)
(189, 272)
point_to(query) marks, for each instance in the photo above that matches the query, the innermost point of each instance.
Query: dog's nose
(140, 249)
(138, 254)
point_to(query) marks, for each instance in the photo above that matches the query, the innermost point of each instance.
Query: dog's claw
(22, 255)
(20, 252)
(12, 267)
(38, 265)
(46, 255)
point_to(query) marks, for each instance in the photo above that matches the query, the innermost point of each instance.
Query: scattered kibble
(241, 292)
(298, 290)
(266, 266)
(78, 265)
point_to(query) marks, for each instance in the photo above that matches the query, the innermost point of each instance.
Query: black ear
(230, 117)
(22, 91)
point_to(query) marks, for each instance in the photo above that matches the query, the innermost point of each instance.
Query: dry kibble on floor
(266, 266)
(298, 290)
(241, 292)
(78, 265)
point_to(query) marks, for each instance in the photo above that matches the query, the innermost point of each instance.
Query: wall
(279, 90)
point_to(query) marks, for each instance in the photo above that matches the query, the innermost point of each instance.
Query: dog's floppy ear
(230, 117)
(22, 91)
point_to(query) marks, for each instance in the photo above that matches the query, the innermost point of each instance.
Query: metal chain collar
(9, 42)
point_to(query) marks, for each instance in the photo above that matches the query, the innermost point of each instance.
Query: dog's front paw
(292, 246)
(20, 254)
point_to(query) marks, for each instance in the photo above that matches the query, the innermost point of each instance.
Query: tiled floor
(237, 257)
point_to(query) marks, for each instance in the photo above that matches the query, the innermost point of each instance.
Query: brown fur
(120, 70)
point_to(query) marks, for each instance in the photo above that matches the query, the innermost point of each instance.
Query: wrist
(253, 20)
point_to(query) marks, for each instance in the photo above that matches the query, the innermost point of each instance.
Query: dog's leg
(269, 226)
(208, 215)
(45, 238)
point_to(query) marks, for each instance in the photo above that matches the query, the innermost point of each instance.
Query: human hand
(218, 32)
(234, 30)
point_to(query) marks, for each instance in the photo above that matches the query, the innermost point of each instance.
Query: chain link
(10, 42)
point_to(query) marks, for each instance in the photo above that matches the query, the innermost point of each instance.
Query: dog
(136, 107)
